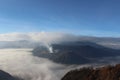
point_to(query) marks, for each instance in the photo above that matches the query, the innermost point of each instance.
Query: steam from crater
(51, 49)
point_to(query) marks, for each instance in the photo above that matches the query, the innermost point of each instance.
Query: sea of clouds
(21, 62)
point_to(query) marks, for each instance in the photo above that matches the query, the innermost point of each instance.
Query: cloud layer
(34, 39)
(21, 63)
(45, 37)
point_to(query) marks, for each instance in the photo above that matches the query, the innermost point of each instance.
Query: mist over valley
(52, 59)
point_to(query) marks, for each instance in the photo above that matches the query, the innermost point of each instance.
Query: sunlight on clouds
(45, 37)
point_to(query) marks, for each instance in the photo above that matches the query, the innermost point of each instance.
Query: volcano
(75, 52)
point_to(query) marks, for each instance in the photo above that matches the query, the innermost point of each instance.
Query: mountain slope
(75, 53)
(6, 76)
(104, 73)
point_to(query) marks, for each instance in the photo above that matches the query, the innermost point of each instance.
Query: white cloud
(13, 37)
(20, 62)
(45, 37)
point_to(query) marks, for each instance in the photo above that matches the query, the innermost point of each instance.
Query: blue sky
(81, 17)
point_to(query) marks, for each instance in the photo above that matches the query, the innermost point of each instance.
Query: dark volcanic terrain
(75, 52)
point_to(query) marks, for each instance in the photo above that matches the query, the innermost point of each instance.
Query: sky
(80, 17)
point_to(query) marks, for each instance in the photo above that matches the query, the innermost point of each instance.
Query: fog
(34, 39)
(43, 37)
(30, 40)
(21, 63)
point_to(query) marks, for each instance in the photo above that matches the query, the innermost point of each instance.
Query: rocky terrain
(103, 73)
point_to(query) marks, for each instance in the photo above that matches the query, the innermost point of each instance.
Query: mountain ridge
(103, 73)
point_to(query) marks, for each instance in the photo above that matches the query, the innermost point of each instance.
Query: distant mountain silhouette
(75, 52)
(104, 73)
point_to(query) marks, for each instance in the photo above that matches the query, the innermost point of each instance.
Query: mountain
(6, 76)
(75, 52)
(103, 73)
(110, 42)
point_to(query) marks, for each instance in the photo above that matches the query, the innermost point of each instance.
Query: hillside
(103, 73)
